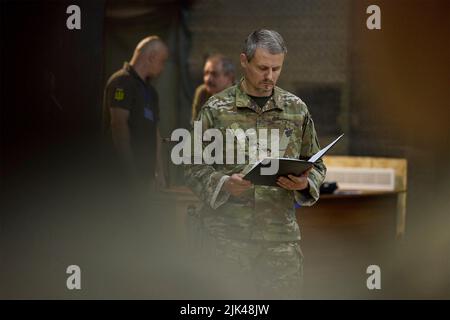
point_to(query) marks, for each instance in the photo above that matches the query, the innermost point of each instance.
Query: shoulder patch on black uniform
(119, 94)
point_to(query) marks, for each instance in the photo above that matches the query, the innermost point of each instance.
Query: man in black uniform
(131, 113)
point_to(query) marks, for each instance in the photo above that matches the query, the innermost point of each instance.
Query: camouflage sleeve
(203, 179)
(197, 103)
(195, 107)
(310, 146)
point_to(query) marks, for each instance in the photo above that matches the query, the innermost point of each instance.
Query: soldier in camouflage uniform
(250, 226)
(218, 74)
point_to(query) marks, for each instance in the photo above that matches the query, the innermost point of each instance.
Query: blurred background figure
(132, 112)
(218, 74)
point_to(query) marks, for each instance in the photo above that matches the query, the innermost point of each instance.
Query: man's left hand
(292, 182)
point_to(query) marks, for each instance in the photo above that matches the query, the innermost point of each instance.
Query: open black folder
(286, 166)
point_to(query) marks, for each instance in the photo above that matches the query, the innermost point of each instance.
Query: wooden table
(381, 211)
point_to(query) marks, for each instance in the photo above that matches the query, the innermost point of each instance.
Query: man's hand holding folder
(292, 182)
(236, 185)
(291, 174)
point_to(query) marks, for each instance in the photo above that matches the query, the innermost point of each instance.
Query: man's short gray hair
(228, 67)
(265, 39)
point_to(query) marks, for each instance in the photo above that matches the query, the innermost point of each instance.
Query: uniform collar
(133, 72)
(244, 101)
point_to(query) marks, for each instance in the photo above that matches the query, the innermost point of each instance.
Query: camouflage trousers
(275, 268)
(263, 269)
(272, 269)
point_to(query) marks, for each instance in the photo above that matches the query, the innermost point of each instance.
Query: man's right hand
(236, 185)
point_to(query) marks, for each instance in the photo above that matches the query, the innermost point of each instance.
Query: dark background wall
(387, 90)
(51, 81)
(51, 89)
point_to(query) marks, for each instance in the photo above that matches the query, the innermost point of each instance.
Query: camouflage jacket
(262, 212)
